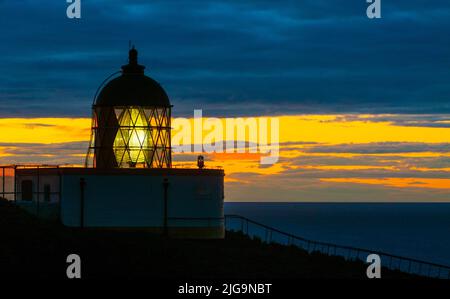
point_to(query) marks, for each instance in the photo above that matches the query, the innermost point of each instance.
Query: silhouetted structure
(128, 180)
(131, 122)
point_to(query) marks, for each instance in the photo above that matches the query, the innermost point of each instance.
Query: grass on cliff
(38, 249)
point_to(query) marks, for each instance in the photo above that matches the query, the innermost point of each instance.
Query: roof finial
(133, 67)
(133, 56)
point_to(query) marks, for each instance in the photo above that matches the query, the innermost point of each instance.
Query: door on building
(27, 190)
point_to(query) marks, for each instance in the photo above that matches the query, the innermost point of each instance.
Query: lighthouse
(128, 181)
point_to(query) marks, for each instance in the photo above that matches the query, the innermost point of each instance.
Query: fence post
(246, 226)
(165, 224)
(3, 183)
(15, 185)
(82, 185)
(37, 193)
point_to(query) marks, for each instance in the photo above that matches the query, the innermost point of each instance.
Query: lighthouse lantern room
(131, 122)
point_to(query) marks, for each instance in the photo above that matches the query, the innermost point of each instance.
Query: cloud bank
(230, 57)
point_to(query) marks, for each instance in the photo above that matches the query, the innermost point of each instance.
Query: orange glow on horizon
(300, 136)
(325, 129)
(44, 130)
(431, 183)
(236, 156)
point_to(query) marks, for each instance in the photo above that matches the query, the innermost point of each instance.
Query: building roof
(120, 171)
(133, 88)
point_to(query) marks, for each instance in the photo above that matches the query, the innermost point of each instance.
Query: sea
(415, 230)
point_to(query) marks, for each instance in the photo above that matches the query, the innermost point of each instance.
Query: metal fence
(8, 182)
(394, 262)
(43, 203)
(8, 190)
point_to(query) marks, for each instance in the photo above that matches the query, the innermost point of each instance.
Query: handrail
(358, 250)
(102, 84)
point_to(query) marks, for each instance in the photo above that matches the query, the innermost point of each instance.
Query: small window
(27, 190)
(47, 192)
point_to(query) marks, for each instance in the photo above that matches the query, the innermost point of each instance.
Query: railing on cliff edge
(269, 234)
(272, 235)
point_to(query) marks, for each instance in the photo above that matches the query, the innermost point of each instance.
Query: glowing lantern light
(131, 122)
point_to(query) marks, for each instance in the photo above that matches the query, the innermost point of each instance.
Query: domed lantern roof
(133, 88)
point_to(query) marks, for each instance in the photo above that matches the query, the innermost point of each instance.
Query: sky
(363, 104)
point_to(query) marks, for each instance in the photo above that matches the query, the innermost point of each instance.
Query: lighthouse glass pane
(141, 136)
(132, 138)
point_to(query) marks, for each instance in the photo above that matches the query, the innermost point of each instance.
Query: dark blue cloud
(231, 57)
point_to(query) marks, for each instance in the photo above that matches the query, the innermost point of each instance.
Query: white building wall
(138, 200)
